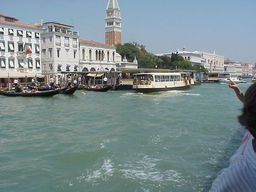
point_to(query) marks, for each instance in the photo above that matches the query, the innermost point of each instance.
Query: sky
(226, 27)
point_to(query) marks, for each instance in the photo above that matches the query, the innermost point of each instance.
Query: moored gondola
(69, 90)
(99, 88)
(49, 93)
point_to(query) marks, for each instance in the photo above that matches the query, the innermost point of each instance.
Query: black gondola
(49, 93)
(69, 90)
(99, 88)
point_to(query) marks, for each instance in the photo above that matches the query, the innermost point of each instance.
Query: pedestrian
(240, 176)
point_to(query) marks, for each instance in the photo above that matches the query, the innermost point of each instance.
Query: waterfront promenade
(118, 141)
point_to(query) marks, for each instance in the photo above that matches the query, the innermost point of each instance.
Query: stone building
(20, 55)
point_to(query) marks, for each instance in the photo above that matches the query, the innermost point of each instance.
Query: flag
(28, 50)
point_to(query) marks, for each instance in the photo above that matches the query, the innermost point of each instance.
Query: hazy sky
(227, 27)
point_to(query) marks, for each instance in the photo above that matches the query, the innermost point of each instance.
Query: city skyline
(162, 26)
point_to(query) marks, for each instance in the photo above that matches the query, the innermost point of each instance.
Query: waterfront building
(211, 61)
(96, 56)
(60, 48)
(113, 20)
(233, 68)
(20, 55)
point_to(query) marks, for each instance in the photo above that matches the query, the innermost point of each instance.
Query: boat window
(157, 78)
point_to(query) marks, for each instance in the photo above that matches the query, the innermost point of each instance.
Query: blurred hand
(233, 85)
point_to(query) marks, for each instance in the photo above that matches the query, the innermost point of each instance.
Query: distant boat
(48, 93)
(161, 81)
(99, 88)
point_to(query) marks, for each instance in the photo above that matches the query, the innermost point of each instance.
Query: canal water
(116, 141)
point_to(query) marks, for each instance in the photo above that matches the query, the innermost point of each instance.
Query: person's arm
(237, 90)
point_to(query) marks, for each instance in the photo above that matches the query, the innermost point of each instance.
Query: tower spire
(113, 23)
(113, 4)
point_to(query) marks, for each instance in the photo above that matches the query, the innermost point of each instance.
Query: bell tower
(113, 24)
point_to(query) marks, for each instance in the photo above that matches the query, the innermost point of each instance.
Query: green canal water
(172, 141)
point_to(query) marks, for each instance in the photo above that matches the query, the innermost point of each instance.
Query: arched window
(85, 69)
(83, 54)
(90, 54)
(93, 69)
(96, 53)
(106, 69)
(108, 55)
(102, 55)
(113, 56)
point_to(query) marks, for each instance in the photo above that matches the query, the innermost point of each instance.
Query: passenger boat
(228, 77)
(152, 82)
(49, 93)
(99, 88)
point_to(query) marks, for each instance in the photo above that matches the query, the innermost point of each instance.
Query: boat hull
(99, 89)
(151, 90)
(31, 94)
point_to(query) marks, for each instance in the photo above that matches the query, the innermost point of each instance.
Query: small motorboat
(48, 93)
(99, 88)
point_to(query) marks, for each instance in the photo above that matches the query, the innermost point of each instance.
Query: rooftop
(113, 4)
(94, 43)
(59, 25)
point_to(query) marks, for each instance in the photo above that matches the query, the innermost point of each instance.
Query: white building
(19, 49)
(96, 56)
(60, 48)
(211, 61)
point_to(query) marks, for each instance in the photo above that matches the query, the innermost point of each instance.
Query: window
(110, 23)
(30, 63)
(10, 46)
(113, 56)
(37, 48)
(50, 28)
(58, 41)
(2, 62)
(37, 35)
(19, 33)
(66, 42)
(108, 55)
(21, 63)
(11, 63)
(76, 68)
(59, 68)
(50, 38)
(83, 54)
(2, 46)
(50, 52)
(74, 42)
(68, 68)
(1, 30)
(20, 47)
(29, 34)
(10, 32)
(44, 52)
(58, 53)
(74, 54)
(90, 55)
(37, 63)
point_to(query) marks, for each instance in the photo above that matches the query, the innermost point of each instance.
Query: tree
(128, 50)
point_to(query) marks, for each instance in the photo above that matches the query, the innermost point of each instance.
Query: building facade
(113, 35)
(20, 46)
(96, 56)
(60, 48)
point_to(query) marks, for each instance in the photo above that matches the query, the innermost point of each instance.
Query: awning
(15, 74)
(95, 74)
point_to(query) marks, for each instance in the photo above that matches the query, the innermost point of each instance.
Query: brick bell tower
(113, 24)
